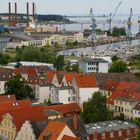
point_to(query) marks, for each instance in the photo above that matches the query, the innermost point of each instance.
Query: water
(100, 48)
(119, 21)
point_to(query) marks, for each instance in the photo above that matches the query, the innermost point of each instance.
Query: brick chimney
(75, 121)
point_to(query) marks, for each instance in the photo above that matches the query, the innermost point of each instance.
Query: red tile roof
(123, 94)
(55, 128)
(69, 77)
(65, 137)
(65, 108)
(35, 81)
(14, 105)
(50, 75)
(6, 98)
(111, 85)
(22, 115)
(31, 72)
(85, 81)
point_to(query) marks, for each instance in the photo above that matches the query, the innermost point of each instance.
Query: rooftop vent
(9, 96)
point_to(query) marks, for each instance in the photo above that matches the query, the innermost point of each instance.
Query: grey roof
(60, 77)
(38, 126)
(81, 131)
(54, 33)
(5, 39)
(101, 78)
(52, 113)
(126, 99)
(65, 87)
(5, 74)
(137, 107)
(95, 60)
(108, 126)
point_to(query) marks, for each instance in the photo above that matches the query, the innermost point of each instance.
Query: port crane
(112, 15)
(139, 23)
(93, 26)
(129, 24)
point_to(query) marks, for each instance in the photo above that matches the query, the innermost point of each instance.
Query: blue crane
(112, 15)
(129, 24)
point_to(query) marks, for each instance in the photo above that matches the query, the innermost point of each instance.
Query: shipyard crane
(112, 15)
(129, 24)
(139, 23)
(93, 22)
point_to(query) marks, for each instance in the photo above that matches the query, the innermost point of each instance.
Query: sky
(74, 7)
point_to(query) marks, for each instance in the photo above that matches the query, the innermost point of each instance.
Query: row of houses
(47, 39)
(24, 120)
(63, 87)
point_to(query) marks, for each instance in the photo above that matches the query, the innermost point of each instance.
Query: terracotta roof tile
(54, 128)
(7, 98)
(65, 137)
(65, 108)
(126, 94)
(31, 72)
(85, 81)
(50, 75)
(14, 105)
(26, 114)
(69, 77)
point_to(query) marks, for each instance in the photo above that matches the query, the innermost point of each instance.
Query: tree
(73, 68)
(118, 67)
(95, 109)
(18, 86)
(119, 31)
(115, 58)
(59, 62)
(4, 58)
(137, 122)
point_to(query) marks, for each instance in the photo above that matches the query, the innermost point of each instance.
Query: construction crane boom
(93, 22)
(129, 23)
(112, 15)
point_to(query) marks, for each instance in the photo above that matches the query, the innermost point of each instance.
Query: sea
(82, 23)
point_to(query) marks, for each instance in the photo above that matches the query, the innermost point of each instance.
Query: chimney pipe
(27, 14)
(9, 8)
(75, 121)
(33, 11)
(15, 13)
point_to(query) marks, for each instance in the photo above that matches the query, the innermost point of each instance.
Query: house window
(69, 99)
(111, 134)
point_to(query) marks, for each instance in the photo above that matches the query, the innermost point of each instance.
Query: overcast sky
(74, 7)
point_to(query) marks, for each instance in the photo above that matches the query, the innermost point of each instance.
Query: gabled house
(85, 86)
(123, 102)
(67, 79)
(56, 131)
(5, 75)
(57, 78)
(64, 94)
(43, 92)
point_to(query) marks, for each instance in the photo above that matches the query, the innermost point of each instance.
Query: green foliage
(4, 58)
(73, 68)
(59, 62)
(118, 32)
(31, 53)
(18, 86)
(95, 110)
(115, 58)
(118, 67)
(137, 122)
(68, 43)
